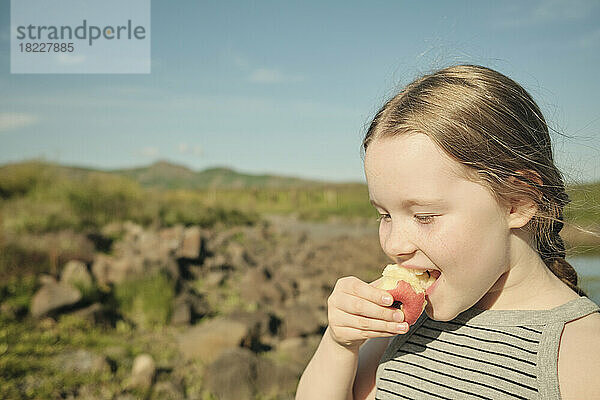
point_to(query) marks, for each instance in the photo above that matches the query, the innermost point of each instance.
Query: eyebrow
(410, 202)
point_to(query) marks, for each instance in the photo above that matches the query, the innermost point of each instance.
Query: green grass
(146, 301)
(29, 351)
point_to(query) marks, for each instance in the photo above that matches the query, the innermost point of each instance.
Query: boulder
(53, 296)
(46, 279)
(172, 238)
(182, 313)
(206, 341)
(232, 375)
(274, 380)
(241, 374)
(76, 274)
(238, 256)
(262, 328)
(191, 244)
(167, 390)
(296, 352)
(255, 287)
(189, 306)
(142, 372)
(95, 313)
(110, 269)
(82, 361)
(301, 319)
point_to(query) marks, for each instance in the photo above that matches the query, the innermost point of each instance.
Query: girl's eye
(383, 216)
(425, 219)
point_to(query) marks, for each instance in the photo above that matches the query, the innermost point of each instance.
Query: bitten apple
(407, 286)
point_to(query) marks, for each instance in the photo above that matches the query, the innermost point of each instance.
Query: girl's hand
(357, 311)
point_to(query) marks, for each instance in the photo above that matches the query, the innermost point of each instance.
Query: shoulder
(579, 358)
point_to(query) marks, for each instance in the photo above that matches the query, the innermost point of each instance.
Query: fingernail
(402, 326)
(398, 317)
(387, 299)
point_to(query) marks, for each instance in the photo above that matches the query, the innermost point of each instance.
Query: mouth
(430, 273)
(432, 283)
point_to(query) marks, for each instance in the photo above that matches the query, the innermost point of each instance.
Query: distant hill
(167, 175)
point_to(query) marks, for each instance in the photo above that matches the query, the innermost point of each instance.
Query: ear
(520, 211)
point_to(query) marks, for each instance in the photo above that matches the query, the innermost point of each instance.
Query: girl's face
(434, 219)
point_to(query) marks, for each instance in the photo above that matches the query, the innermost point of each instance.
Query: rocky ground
(223, 313)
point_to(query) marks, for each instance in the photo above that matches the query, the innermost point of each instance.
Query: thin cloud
(10, 121)
(149, 151)
(195, 150)
(259, 74)
(240, 61)
(592, 39)
(553, 10)
(266, 75)
(546, 12)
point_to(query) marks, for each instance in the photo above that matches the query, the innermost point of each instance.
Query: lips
(430, 289)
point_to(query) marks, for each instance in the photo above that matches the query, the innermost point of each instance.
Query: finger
(356, 287)
(359, 306)
(369, 324)
(376, 282)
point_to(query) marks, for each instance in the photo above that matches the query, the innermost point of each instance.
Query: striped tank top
(481, 354)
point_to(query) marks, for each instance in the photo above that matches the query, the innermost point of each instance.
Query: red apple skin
(413, 303)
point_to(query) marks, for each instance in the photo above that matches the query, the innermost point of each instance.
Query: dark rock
(232, 375)
(301, 319)
(274, 380)
(261, 329)
(189, 306)
(95, 313)
(166, 390)
(241, 374)
(182, 313)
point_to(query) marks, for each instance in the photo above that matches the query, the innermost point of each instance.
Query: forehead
(410, 165)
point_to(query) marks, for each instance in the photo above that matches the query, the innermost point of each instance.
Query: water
(588, 269)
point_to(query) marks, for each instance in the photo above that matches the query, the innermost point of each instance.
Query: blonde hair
(492, 126)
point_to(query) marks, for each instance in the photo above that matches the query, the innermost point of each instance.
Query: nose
(396, 240)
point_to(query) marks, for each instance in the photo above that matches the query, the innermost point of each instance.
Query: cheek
(476, 250)
(384, 231)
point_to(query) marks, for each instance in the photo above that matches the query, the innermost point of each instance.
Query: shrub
(148, 300)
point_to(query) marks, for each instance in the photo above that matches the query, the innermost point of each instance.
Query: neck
(528, 284)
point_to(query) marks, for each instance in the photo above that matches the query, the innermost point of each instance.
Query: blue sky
(288, 87)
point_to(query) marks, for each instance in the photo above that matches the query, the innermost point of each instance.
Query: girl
(459, 165)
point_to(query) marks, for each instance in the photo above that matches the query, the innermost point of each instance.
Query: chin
(438, 314)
